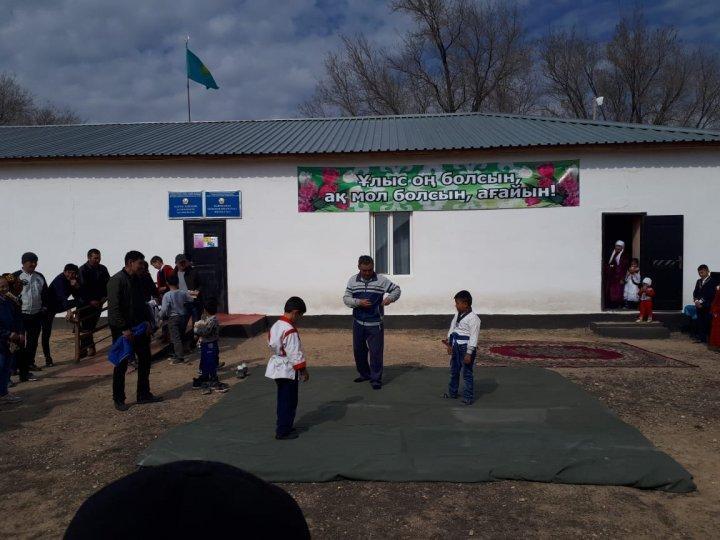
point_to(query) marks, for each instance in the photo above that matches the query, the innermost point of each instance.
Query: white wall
(544, 260)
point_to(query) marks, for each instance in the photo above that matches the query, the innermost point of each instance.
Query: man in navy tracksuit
(365, 294)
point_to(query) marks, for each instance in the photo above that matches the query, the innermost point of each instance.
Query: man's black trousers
(141, 346)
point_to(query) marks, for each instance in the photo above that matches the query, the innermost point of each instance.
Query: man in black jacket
(94, 278)
(126, 310)
(703, 296)
(62, 287)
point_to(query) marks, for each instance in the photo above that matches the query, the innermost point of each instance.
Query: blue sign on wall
(185, 204)
(223, 204)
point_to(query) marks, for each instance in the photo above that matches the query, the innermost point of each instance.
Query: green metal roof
(432, 132)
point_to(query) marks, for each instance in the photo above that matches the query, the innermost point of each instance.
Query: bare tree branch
(570, 64)
(468, 55)
(18, 107)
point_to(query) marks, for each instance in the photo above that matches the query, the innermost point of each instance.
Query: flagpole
(187, 78)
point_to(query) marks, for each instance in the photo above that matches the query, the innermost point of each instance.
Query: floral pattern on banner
(447, 187)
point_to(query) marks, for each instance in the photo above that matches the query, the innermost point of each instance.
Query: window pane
(381, 243)
(401, 243)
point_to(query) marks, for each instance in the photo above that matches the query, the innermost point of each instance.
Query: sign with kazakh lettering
(474, 186)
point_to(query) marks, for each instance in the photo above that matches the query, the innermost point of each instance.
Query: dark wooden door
(206, 247)
(661, 249)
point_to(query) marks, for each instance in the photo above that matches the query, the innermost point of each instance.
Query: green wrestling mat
(526, 424)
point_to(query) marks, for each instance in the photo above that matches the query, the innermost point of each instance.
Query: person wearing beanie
(34, 301)
(189, 499)
(287, 366)
(647, 294)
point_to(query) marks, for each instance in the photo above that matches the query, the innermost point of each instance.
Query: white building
(66, 189)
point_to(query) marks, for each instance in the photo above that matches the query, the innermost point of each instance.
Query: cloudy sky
(124, 61)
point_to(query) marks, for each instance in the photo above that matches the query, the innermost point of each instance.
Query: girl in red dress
(647, 293)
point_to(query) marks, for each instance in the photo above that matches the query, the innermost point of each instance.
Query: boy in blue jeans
(208, 330)
(461, 344)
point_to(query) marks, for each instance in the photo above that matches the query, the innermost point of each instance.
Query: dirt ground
(65, 441)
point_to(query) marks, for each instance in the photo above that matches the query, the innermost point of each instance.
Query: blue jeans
(6, 365)
(457, 364)
(209, 360)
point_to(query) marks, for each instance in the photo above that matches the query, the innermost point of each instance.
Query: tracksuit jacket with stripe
(374, 290)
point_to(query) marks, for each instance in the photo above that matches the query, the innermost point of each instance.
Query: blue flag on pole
(197, 72)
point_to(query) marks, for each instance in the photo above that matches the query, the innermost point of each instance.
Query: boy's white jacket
(466, 330)
(288, 356)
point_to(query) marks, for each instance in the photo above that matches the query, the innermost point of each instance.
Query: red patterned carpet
(571, 354)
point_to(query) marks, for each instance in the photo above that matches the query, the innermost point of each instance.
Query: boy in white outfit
(461, 344)
(287, 366)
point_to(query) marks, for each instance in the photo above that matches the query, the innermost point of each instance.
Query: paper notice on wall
(202, 241)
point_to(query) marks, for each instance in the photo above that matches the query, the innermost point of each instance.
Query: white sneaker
(10, 398)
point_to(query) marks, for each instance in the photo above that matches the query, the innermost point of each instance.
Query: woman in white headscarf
(616, 268)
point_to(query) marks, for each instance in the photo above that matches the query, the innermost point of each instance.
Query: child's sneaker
(650, 319)
(10, 399)
(448, 396)
(206, 389)
(638, 319)
(219, 387)
(466, 401)
(197, 383)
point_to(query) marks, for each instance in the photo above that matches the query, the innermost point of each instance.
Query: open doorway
(657, 242)
(626, 228)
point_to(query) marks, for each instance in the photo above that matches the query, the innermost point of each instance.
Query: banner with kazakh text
(474, 186)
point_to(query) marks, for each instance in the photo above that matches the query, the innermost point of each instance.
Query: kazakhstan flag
(197, 71)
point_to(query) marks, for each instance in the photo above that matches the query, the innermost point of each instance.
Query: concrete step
(631, 329)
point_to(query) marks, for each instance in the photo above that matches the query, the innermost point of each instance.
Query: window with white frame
(390, 238)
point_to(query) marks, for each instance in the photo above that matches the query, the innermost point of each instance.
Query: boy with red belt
(287, 366)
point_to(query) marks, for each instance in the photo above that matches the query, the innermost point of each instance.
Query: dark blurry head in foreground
(189, 499)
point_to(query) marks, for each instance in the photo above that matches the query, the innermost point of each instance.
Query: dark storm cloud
(124, 61)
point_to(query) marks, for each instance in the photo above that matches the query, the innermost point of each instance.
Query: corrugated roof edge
(573, 121)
